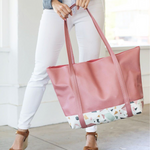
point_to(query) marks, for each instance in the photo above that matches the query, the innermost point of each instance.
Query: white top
(74, 9)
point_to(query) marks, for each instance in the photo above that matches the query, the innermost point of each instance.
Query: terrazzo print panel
(106, 115)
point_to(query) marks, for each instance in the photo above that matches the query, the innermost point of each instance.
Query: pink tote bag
(99, 90)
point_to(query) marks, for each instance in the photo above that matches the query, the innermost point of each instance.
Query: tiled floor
(127, 134)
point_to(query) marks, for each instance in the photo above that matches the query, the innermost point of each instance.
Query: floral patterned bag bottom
(106, 115)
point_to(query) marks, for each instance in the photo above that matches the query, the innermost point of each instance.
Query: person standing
(49, 44)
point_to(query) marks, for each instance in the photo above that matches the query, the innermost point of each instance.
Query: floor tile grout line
(139, 121)
(49, 142)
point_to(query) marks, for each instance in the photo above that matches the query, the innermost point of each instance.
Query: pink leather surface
(98, 83)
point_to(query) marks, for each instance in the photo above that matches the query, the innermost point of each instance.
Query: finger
(69, 10)
(64, 14)
(80, 3)
(77, 4)
(86, 4)
(59, 13)
(83, 3)
(66, 11)
(63, 11)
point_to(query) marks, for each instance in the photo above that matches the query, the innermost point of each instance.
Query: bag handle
(114, 59)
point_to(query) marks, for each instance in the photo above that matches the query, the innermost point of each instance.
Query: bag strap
(73, 76)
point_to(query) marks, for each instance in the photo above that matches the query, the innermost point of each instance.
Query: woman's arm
(63, 10)
(47, 4)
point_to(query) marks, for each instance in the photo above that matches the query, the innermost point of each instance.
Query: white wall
(17, 63)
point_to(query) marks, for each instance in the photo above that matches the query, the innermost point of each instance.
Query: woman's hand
(82, 3)
(63, 10)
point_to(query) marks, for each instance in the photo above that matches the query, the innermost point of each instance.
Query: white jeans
(50, 40)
